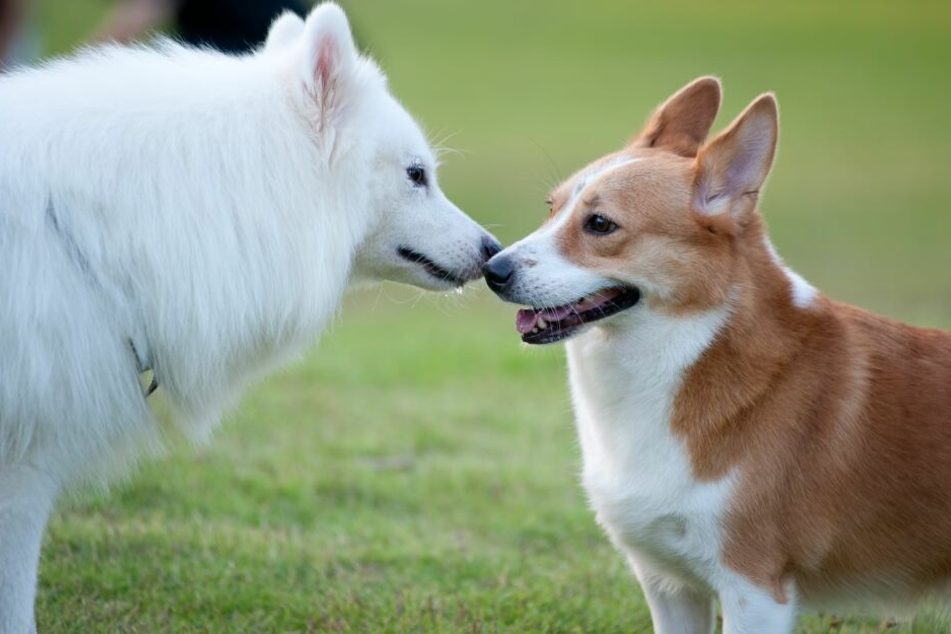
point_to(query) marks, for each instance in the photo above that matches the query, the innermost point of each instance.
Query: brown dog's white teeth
(542, 323)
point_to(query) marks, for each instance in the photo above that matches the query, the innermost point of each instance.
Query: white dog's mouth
(431, 268)
(548, 325)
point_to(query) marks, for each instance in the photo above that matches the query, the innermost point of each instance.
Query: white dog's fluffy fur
(197, 214)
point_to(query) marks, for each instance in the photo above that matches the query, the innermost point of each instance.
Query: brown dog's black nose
(490, 246)
(498, 272)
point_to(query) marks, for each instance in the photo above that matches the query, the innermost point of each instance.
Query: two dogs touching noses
(744, 437)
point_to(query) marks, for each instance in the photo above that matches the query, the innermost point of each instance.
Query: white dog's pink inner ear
(326, 65)
(329, 59)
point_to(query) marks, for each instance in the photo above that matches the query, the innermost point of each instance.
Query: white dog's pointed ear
(682, 123)
(330, 57)
(732, 168)
(284, 31)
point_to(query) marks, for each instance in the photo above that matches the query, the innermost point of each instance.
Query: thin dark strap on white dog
(152, 386)
(144, 366)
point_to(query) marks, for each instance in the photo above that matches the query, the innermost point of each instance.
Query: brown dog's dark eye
(599, 225)
(417, 175)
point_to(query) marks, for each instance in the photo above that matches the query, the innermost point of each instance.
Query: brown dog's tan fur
(840, 422)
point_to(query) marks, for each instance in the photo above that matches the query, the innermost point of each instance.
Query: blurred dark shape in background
(232, 26)
(9, 18)
(18, 41)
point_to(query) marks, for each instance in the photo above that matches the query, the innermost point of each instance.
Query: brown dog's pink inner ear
(732, 168)
(681, 124)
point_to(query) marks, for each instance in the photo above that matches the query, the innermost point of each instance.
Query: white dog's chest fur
(636, 472)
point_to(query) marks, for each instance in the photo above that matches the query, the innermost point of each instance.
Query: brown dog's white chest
(636, 472)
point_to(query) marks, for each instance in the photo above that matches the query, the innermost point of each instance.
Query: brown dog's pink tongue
(525, 320)
(557, 314)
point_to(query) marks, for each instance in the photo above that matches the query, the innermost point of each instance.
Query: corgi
(744, 437)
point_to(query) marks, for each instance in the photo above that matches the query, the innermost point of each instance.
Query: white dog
(197, 215)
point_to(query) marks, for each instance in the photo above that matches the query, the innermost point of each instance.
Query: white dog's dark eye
(599, 225)
(417, 175)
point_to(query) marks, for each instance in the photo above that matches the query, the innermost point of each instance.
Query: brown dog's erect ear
(732, 168)
(682, 122)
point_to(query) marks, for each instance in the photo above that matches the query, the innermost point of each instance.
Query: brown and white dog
(744, 437)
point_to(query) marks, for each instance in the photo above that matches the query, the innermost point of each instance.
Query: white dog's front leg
(676, 610)
(26, 497)
(748, 609)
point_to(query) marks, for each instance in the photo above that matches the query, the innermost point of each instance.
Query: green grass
(417, 473)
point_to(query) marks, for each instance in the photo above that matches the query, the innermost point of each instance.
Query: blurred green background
(418, 472)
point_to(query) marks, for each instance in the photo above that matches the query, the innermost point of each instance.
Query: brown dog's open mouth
(548, 325)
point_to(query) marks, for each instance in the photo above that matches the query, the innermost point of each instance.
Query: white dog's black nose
(490, 246)
(498, 272)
